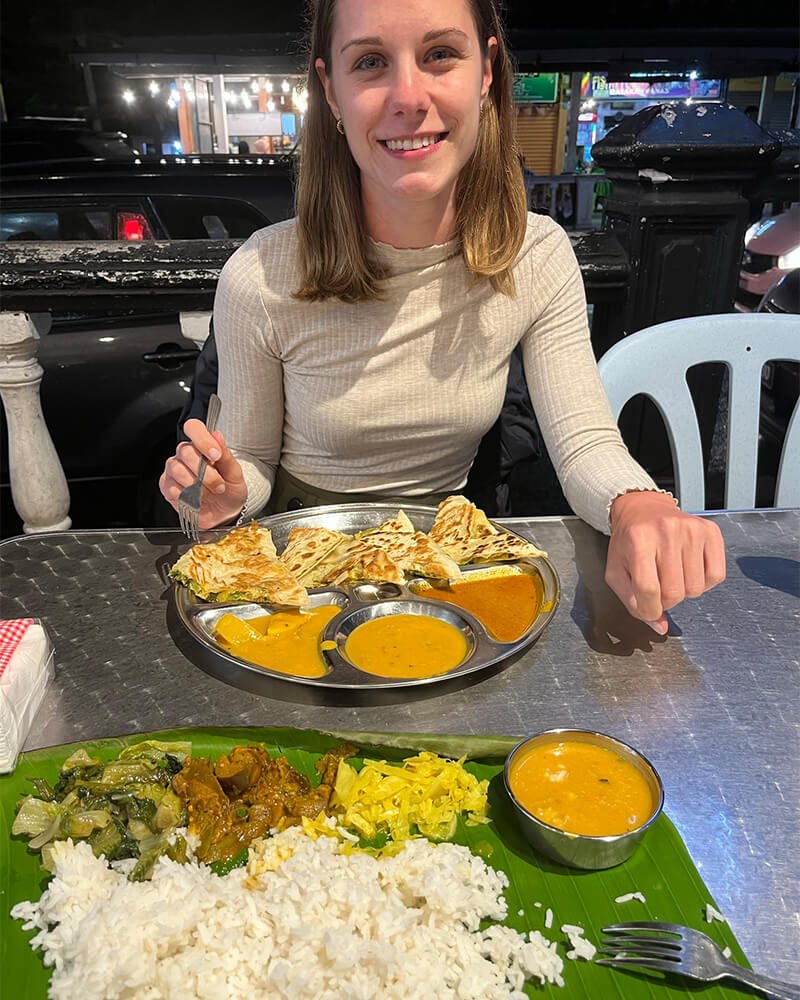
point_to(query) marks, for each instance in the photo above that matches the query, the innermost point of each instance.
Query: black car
(117, 376)
(28, 140)
(205, 197)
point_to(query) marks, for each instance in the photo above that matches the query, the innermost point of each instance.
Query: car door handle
(166, 354)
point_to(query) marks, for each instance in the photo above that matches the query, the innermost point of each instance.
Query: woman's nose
(409, 92)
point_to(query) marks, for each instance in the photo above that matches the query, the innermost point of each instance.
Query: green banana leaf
(661, 869)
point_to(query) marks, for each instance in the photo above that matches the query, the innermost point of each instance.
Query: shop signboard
(254, 123)
(600, 88)
(535, 88)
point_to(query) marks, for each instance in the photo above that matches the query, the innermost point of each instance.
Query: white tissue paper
(26, 668)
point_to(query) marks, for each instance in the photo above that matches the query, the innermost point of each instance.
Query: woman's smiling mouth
(412, 143)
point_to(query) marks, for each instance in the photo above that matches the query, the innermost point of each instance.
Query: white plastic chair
(653, 362)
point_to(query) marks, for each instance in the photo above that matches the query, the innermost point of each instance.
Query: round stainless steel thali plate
(358, 603)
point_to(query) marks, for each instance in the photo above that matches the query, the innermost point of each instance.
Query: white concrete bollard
(38, 485)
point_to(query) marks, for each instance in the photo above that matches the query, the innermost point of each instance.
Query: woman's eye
(369, 63)
(441, 55)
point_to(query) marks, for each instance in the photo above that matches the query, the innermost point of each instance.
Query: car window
(187, 218)
(56, 224)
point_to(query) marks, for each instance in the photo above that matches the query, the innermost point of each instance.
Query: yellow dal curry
(582, 788)
(406, 646)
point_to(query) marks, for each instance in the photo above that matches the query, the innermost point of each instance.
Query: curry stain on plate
(406, 645)
(286, 641)
(506, 600)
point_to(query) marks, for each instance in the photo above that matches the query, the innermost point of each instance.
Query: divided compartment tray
(359, 602)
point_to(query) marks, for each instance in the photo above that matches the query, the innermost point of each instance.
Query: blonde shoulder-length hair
(333, 248)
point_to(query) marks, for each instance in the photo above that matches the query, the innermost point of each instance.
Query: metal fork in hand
(671, 948)
(190, 497)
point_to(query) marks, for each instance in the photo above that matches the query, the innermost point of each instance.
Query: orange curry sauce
(582, 788)
(506, 602)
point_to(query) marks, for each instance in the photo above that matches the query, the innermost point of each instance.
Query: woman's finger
(206, 443)
(694, 571)
(714, 556)
(671, 572)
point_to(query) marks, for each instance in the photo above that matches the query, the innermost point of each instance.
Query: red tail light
(133, 227)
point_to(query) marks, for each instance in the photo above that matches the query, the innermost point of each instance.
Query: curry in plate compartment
(406, 645)
(287, 641)
(506, 600)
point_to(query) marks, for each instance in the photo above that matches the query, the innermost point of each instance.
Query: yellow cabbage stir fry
(427, 793)
(156, 799)
(126, 808)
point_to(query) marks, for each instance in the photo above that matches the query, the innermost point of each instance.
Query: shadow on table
(772, 571)
(596, 610)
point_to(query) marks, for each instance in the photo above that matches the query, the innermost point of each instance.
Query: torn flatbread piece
(426, 558)
(364, 561)
(460, 527)
(373, 556)
(330, 566)
(413, 552)
(400, 524)
(466, 534)
(504, 546)
(307, 548)
(241, 566)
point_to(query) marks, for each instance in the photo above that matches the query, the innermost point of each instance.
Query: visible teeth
(417, 143)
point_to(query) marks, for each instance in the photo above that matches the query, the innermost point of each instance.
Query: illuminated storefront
(606, 103)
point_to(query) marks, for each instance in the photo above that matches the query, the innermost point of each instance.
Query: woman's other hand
(658, 555)
(224, 488)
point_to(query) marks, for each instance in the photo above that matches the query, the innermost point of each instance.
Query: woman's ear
(327, 86)
(488, 62)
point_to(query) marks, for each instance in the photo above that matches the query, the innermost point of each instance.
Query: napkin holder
(26, 668)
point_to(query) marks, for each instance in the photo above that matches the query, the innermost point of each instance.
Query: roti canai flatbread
(241, 566)
(400, 524)
(355, 560)
(368, 562)
(466, 534)
(307, 547)
(460, 527)
(505, 546)
(426, 558)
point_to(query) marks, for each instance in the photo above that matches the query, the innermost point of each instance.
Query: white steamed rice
(305, 922)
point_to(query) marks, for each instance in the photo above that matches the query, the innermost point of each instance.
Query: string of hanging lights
(245, 95)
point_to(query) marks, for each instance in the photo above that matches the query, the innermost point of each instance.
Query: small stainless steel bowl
(574, 849)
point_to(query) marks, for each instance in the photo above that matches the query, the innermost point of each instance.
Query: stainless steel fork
(671, 948)
(190, 497)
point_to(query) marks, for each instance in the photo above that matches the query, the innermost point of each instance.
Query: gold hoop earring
(339, 126)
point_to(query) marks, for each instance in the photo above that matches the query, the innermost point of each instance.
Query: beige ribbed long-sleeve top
(392, 396)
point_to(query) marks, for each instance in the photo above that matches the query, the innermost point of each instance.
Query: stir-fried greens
(156, 799)
(126, 808)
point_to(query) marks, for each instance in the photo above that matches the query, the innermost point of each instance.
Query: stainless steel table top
(715, 705)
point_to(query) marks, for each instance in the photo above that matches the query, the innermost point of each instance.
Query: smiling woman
(364, 346)
(422, 92)
(408, 100)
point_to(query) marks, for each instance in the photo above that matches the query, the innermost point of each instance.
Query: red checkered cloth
(11, 633)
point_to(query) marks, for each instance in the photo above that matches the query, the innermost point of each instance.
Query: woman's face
(407, 78)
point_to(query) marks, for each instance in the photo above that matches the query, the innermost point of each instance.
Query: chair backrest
(653, 362)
